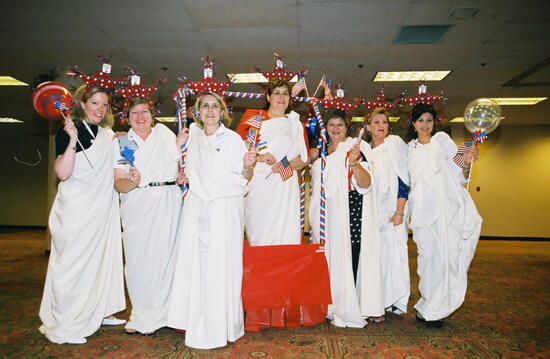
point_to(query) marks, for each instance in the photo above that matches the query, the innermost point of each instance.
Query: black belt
(156, 184)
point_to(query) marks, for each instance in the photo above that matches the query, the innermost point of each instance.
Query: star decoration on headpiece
(338, 102)
(379, 101)
(208, 83)
(133, 88)
(279, 70)
(101, 79)
(424, 97)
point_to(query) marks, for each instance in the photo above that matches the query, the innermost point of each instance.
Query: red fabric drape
(279, 280)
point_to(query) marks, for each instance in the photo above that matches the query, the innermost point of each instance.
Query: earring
(220, 120)
(415, 129)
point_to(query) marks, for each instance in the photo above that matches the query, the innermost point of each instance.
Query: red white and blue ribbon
(322, 150)
(479, 136)
(302, 199)
(181, 114)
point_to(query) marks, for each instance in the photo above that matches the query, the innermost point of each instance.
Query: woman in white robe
(272, 205)
(352, 245)
(205, 299)
(272, 211)
(84, 283)
(444, 219)
(149, 209)
(388, 160)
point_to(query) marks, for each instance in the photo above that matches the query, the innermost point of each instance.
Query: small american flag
(283, 168)
(255, 122)
(251, 138)
(299, 87)
(61, 106)
(459, 157)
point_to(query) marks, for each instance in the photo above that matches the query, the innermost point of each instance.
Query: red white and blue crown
(101, 79)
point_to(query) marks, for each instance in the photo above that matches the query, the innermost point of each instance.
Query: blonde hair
(77, 112)
(226, 120)
(377, 111)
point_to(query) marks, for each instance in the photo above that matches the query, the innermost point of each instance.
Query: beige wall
(513, 175)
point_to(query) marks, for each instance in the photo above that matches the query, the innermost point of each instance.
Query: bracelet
(466, 168)
(399, 214)
(354, 163)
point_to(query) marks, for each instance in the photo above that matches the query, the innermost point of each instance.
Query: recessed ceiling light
(10, 81)
(252, 77)
(463, 13)
(9, 120)
(411, 76)
(518, 100)
(165, 119)
(457, 119)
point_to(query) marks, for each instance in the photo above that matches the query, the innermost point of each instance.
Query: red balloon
(45, 97)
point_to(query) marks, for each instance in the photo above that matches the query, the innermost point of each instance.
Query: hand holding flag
(283, 168)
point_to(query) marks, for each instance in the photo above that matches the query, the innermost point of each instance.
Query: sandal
(379, 319)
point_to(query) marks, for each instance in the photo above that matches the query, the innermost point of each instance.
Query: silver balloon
(482, 114)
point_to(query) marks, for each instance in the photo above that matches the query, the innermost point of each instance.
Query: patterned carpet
(506, 315)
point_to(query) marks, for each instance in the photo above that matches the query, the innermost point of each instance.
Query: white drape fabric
(272, 211)
(445, 224)
(149, 221)
(206, 291)
(346, 310)
(84, 282)
(389, 162)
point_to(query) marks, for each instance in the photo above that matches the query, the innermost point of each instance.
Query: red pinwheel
(50, 98)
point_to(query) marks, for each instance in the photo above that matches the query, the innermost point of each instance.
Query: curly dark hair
(272, 85)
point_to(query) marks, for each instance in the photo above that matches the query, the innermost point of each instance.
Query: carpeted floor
(506, 315)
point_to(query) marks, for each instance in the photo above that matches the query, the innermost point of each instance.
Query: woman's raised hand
(70, 128)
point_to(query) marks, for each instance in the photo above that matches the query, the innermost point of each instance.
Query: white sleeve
(449, 149)
(236, 151)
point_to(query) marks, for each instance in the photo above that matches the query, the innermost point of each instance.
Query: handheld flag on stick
(283, 169)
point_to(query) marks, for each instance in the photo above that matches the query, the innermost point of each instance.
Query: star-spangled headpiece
(101, 79)
(209, 82)
(133, 88)
(339, 101)
(379, 101)
(424, 97)
(279, 70)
